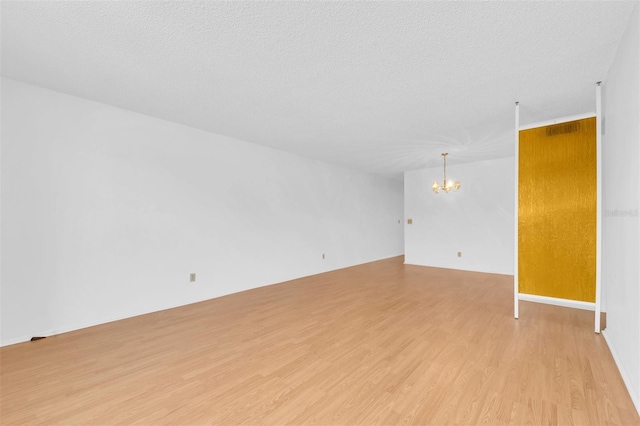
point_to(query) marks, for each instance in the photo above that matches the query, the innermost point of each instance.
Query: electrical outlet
(192, 277)
(409, 221)
(459, 254)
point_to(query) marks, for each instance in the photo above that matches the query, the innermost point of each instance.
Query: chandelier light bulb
(447, 185)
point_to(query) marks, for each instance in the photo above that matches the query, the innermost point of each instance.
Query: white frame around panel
(542, 299)
(516, 304)
(559, 120)
(598, 205)
(567, 303)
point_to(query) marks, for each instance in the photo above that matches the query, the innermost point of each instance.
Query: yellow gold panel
(557, 211)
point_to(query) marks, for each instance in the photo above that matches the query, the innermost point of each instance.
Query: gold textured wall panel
(557, 211)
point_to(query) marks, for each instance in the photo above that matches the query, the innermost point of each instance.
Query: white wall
(620, 227)
(105, 213)
(477, 220)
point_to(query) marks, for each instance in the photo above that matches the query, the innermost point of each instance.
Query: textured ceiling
(382, 87)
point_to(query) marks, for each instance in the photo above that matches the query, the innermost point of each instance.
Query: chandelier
(447, 185)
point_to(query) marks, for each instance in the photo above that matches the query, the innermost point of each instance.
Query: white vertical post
(516, 313)
(598, 202)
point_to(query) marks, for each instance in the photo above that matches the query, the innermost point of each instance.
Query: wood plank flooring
(380, 343)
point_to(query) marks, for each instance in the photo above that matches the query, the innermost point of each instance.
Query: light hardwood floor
(380, 343)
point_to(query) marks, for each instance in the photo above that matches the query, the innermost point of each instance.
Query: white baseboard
(635, 397)
(26, 338)
(577, 304)
(67, 328)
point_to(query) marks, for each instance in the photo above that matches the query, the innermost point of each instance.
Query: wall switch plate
(323, 255)
(459, 254)
(409, 221)
(192, 277)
